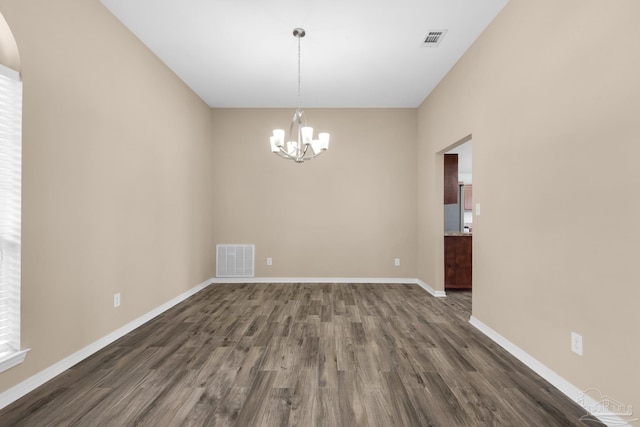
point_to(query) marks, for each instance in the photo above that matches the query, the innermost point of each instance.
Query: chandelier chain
(299, 96)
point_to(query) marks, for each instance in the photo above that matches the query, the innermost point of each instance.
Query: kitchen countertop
(457, 233)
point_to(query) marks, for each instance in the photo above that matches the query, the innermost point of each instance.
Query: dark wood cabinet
(457, 262)
(450, 179)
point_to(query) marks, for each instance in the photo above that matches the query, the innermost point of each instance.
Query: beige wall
(550, 94)
(116, 179)
(348, 213)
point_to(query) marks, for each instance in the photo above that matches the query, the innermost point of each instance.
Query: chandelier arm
(313, 156)
(304, 152)
(284, 154)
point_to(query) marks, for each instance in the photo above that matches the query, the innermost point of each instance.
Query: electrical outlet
(269, 261)
(116, 300)
(397, 262)
(576, 343)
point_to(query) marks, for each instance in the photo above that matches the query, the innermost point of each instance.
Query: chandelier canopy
(300, 146)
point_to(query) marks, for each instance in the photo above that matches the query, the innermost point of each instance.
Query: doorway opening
(458, 222)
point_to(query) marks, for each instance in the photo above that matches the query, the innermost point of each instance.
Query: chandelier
(301, 146)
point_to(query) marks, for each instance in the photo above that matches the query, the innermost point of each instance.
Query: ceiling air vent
(433, 38)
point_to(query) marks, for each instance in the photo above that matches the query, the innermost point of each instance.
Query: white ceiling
(357, 53)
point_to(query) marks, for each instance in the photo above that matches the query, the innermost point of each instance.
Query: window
(10, 216)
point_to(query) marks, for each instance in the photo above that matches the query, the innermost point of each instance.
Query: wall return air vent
(235, 260)
(433, 38)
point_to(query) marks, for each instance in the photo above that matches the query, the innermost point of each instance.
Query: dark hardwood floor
(463, 300)
(301, 355)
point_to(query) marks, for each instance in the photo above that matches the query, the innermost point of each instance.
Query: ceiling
(356, 53)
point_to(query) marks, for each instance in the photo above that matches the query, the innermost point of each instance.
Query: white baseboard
(16, 392)
(426, 287)
(418, 282)
(571, 391)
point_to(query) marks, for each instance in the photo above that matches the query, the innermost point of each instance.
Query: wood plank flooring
(301, 355)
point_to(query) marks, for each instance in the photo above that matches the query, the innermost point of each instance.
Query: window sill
(10, 359)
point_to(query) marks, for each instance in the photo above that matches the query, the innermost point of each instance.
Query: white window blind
(10, 215)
